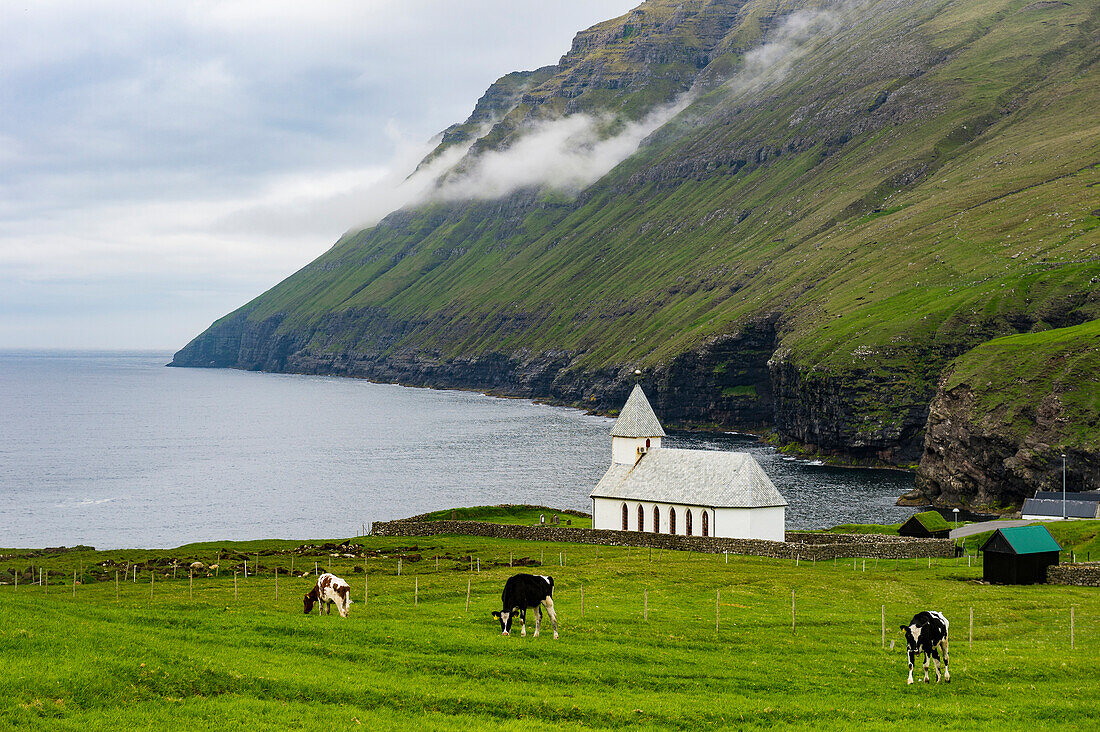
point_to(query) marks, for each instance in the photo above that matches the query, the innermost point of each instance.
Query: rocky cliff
(790, 215)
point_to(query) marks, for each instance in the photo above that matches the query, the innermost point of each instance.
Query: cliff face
(846, 199)
(995, 436)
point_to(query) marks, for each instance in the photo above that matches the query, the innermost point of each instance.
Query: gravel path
(971, 529)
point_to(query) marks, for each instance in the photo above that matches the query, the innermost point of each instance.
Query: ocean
(114, 450)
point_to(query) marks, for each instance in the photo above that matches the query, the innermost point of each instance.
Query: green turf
(525, 515)
(407, 661)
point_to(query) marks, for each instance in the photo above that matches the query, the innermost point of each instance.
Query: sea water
(113, 449)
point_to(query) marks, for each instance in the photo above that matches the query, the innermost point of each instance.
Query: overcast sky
(162, 163)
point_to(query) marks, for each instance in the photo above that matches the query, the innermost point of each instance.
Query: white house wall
(733, 523)
(751, 523)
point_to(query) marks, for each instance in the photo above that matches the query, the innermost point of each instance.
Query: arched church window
(624, 517)
(706, 525)
(641, 518)
(672, 520)
(656, 520)
(687, 522)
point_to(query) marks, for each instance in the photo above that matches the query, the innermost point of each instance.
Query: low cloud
(568, 154)
(770, 62)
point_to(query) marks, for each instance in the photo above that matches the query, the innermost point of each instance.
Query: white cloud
(180, 158)
(567, 154)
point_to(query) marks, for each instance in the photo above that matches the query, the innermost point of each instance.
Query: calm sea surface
(115, 450)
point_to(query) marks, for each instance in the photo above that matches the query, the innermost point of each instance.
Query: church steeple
(636, 431)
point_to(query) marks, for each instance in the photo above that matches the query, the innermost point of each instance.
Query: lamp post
(1063, 486)
(956, 512)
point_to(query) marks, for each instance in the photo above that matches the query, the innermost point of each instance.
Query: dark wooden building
(1019, 555)
(927, 525)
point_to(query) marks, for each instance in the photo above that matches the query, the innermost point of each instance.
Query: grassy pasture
(413, 656)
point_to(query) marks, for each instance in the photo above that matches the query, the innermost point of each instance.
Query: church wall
(624, 450)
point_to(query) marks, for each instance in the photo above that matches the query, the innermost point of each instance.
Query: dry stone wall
(834, 545)
(1083, 575)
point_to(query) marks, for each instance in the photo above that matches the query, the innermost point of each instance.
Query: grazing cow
(927, 634)
(329, 589)
(522, 591)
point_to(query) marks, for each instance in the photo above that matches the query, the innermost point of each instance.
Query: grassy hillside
(896, 186)
(187, 658)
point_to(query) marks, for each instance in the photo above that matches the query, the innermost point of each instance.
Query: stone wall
(1084, 575)
(840, 545)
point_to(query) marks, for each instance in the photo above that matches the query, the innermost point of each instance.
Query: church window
(641, 518)
(706, 525)
(672, 520)
(687, 522)
(624, 517)
(656, 520)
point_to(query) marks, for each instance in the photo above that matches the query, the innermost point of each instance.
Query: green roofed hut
(927, 525)
(1019, 555)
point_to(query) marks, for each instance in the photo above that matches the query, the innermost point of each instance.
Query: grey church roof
(693, 478)
(637, 418)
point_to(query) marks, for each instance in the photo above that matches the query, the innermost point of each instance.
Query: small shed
(927, 525)
(1019, 555)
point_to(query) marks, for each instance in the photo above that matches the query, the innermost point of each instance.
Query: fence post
(399, 566)
(234, 585)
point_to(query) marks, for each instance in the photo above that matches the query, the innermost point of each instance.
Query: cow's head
(912, 636)
(310, 600)
(505, 618)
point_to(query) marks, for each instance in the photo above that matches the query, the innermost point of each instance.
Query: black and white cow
(927, 634)
(522, 591)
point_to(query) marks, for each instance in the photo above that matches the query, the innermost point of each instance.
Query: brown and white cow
(329, 589)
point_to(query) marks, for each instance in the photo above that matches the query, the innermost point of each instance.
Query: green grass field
(168, 655)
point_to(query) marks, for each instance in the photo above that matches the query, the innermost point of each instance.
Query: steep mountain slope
(836, 201)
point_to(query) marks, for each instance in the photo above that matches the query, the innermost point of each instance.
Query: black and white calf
(522, 591)
(927, 634)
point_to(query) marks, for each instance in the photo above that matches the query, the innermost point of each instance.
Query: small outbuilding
(1019, 555)
(926, 525)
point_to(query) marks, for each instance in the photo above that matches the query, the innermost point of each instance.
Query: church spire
(637, 418)
(636, 431)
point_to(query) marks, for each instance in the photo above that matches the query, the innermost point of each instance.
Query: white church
(689, 492)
